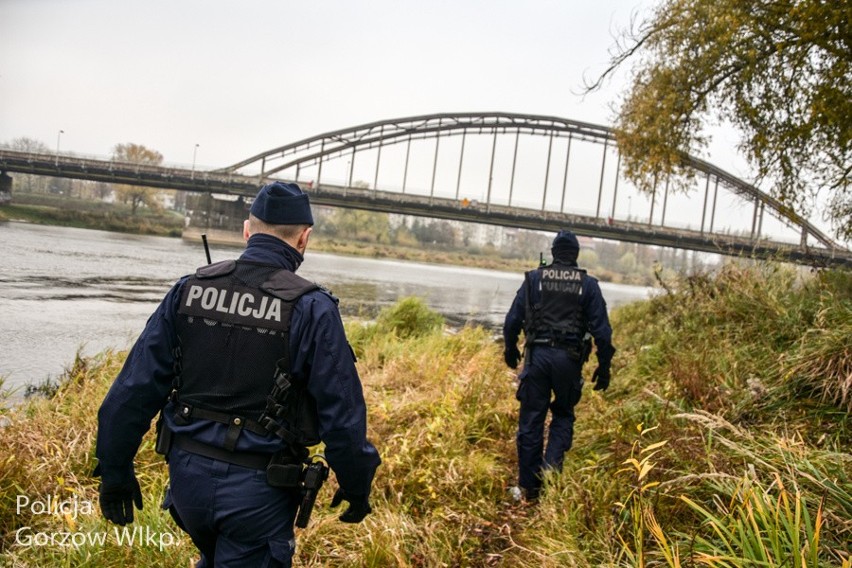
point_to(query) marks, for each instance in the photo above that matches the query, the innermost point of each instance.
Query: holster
(587, 348)
(575, 352)
(164, 438)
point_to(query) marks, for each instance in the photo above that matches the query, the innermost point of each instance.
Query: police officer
(556, 307)
(249, 364)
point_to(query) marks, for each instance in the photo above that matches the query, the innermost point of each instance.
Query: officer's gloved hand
(512, 356)
(601, 378)
(117, 501)
(359, 506)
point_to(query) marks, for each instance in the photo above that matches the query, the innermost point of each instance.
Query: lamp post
(58, 136)
(194, 153)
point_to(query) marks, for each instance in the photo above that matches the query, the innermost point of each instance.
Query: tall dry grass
(48, 498)
(742, 374)
(723, 441)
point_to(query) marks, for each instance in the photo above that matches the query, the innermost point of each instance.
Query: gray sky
(241, 77)
(238, 78)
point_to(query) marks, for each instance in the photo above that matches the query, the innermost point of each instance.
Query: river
(65, 289)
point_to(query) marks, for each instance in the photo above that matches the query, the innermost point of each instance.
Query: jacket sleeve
(323, 356)
(514, 322)
(598, 320)
(139, 391)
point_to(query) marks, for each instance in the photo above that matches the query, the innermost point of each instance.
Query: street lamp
(58, 136)
(194, 153)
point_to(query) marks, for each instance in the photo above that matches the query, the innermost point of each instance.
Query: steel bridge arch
(323, 147)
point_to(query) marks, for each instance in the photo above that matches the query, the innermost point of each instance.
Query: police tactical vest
(558, 314)
(233, 329)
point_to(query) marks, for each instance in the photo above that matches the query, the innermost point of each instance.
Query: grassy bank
(87, 214)
(724, 441)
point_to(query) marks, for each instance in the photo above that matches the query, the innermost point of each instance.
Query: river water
(64, 289)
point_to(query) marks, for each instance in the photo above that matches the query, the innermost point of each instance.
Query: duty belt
(251, 460)
(571, 347)
(550, 342)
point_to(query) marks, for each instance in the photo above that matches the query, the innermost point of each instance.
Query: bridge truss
(569, 171)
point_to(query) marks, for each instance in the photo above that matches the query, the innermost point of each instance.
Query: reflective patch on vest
(235, 305)
(562, 281)
(259, 330)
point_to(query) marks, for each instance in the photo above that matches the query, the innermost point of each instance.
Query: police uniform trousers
(234, 517)
(549, 370)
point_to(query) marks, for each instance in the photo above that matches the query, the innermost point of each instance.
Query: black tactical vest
(557, 315)
(233, 329)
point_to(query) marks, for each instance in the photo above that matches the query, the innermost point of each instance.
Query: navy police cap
(280, 203)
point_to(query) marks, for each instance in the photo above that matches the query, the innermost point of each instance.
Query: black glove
(117, 501)
(512, 356)
(359, 506)
(601, 378)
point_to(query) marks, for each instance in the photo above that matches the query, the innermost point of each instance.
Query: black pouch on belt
(284, 471)
(280, 475)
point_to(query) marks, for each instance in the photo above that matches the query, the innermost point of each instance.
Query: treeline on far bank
(498, 247)
(723, 441)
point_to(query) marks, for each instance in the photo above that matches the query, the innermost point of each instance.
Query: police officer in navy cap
(249, 364)
(556, 307)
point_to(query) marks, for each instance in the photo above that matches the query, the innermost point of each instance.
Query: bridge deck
(420, 205)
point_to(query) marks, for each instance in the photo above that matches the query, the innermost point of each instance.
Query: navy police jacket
(592, 304)
(319, 354)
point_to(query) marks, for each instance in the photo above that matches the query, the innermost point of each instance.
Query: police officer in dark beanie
(249, 364)
(556, 307)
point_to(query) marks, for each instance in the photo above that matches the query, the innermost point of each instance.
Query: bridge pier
(5, 188)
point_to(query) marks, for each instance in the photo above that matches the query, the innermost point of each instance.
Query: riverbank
(723, 441)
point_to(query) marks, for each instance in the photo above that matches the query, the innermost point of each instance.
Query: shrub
(409, 317)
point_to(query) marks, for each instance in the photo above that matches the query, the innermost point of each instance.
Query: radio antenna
(206, 247)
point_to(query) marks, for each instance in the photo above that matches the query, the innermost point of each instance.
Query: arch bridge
(515, 170)
(537, 172)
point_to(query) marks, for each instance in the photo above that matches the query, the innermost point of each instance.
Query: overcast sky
(240, 77)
